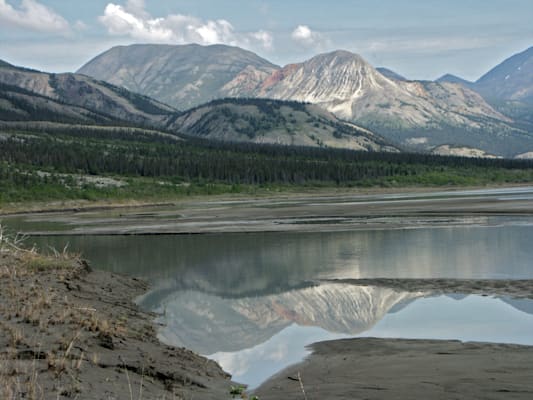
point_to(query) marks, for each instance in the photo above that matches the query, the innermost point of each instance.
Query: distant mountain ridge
(449, 78)
(33, 95)
(182, 76)
(429, 114)
(510, 80)
(508, 87)
(78, 99)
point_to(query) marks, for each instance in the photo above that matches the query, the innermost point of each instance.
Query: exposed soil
(67, 332)
(485, 287)
(406, 369)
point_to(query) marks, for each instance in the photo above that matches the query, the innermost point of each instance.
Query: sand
(69, 332)
(295, 213)
(485, 287)
(406, 369)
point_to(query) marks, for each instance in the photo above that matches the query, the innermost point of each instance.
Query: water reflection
(255, 337)
(471, 318)
(194, 319)
(252, 301)
(263, 263)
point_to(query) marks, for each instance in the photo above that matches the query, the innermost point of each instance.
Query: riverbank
(295, 212)
(288, 193)
(70, 332)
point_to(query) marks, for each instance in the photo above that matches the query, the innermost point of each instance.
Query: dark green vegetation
(63, 163)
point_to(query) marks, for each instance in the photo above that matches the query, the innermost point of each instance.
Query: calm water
(253, 301)
(241, 263)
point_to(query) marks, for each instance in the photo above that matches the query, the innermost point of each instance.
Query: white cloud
(34, 16)
(304, 35)
(133, 21)
(80, 25)
(265, 38)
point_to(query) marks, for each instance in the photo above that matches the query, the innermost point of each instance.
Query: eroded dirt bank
(67, 332)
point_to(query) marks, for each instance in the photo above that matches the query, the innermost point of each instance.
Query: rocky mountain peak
(330, 79)
(337, 57)
(510, 80)
(180, 75)
(450, 78)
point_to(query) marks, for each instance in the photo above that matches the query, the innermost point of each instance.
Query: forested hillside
(63, 163)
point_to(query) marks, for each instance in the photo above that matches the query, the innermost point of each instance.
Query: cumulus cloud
(132, 20)
(304, 35)
(34, 16)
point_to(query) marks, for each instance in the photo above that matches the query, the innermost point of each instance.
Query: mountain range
(512, 80)
(28, 95)
(420, 115)
(335, 99)
(508, 87)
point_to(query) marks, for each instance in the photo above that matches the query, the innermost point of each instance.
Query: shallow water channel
(254, 301)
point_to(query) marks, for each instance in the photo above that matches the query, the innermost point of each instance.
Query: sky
(420, 39)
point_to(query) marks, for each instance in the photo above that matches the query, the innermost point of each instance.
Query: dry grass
(64, 330)
(28, 311)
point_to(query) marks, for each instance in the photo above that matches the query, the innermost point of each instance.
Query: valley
(265, 200)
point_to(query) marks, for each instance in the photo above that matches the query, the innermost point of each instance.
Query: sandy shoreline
(326, 212)
(406, 369)
(72, 332)
(101, 205)
(69, 332)
(522, 288)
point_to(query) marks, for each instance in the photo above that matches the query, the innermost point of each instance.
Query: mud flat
(375, 368)
(486, 287)
(296, 213)
(68, 332)
(406, 369)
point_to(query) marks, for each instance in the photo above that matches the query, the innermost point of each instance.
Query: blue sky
(421, 39)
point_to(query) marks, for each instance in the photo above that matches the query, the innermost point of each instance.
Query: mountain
(421, 114)
(18, 104)
(511, 80)
(5, 64)
(75, 98)
(33, 95)
(391, 74)
(182, 76)
(418, 114)
(509, 87)
(275, 122)
(449, 78)
(345, 84)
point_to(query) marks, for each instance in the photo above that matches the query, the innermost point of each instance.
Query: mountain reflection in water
(208, 323)
(254, 301)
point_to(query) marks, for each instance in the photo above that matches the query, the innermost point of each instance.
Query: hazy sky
(421, 39)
